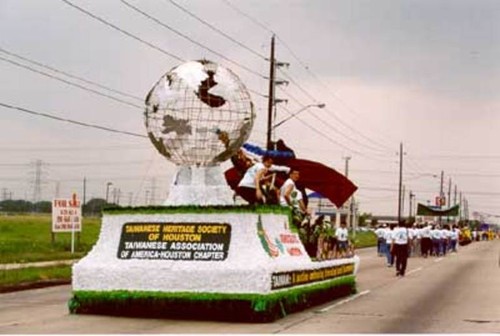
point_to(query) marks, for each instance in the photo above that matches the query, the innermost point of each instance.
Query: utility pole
(410, 208)
(37, 183)
(272, 101)
(449, 193)
(460, 209)
(466, 209)
(400, 179)
(84, 194)
(349, 216)
(346, 158)
(271, 97)
(449, 199)
(455, 196)
(441, 194)
(403, 199)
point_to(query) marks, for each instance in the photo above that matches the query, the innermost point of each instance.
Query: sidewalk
(6, 267)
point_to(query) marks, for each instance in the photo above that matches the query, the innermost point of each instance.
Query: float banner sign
(175, 241)
(295, 278)
(66, 215)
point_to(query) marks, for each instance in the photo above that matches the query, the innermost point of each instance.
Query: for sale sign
(66, 215)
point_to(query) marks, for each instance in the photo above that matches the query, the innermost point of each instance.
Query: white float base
(247, 267)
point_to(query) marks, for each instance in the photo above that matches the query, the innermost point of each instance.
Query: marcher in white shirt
(454, 238)
(388, 243)
(436, 240)
(445, 235)
(426, 242)
(417, 240)
(400, 242)
(380, 232)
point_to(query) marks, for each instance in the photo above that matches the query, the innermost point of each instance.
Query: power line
(256, 22)
(152, 18)
(310, 96)
(69, 83)
(216, 29)
(61, 149)
(68, 74)
(326, 136)
(350, 109)
(460, 157)
(149, 44)
(331, 126)
(248, 17)
(50, 116)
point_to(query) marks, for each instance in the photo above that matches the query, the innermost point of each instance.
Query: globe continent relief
(198, 114)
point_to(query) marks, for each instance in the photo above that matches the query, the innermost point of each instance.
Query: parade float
(200, 256)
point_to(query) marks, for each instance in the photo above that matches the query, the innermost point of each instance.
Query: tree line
(91, 208)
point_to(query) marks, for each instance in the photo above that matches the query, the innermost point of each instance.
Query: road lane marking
(354, 297)
(414, 270)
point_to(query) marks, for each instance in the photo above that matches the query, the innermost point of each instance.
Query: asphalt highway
(459, 293)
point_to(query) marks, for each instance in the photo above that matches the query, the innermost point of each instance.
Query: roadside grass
(364, 239)
(27, 238)
(34, 274)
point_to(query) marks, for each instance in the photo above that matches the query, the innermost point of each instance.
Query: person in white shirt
(380, 232)
(400, 242)
(342, 236)
(290, 195)
(445, 235)
(250, 185)
(388, 242)
(411, 238)
(454, 238)
(436, 240)
(417, 240)
(426, 242)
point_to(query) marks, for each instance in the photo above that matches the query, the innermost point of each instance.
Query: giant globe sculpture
(197, 116)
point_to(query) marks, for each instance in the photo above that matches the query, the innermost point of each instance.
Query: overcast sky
(424, 73)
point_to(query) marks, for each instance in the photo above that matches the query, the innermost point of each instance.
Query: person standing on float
(250, 185)
(290, 195)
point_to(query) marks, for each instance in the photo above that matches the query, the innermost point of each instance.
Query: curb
(6, 267)
(34, 285)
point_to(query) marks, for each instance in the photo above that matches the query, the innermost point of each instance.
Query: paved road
(456, 294)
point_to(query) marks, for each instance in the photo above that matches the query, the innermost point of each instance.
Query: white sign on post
(67, 217)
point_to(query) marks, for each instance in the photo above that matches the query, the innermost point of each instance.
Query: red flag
(324, 180)
(314, 176)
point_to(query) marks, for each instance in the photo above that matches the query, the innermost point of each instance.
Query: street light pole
(400, 180)
(107, 190)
